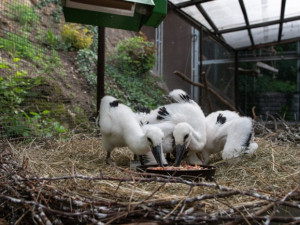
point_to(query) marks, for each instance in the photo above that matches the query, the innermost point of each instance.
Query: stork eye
(185, 137)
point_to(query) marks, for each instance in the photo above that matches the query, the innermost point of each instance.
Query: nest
(68, 182)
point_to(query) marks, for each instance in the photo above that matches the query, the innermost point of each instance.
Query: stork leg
(109, 160)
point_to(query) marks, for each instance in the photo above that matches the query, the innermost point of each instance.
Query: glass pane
(225, 14)
(259, 11)
(291, 30)
(266, 34)
(195, 13)
(292, 8)
(237, 39)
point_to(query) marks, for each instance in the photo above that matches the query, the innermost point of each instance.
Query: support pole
(298, 78)
(236, 79)
(100, 65)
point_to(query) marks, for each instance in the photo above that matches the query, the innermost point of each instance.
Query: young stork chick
(189, 126)
(226, 131)
(230, 133)
(119, 128)
(180, 96)
(167, 144)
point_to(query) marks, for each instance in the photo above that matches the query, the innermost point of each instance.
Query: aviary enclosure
(52, 164)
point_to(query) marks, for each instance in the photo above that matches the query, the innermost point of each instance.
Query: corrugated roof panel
(259, 11)
(292, 8)
(291, 30)
(262, 35)
(195, 13)
(225, 14)
(238, 39)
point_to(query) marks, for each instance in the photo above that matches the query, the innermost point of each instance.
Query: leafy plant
(134, 91)
(80, 37)
(134, 55)
(20, 46)
(15, 87)
(57, 13)
(86, 64)
(23, 13)
(52, 40)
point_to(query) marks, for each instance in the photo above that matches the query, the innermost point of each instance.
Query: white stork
(187, 126)
(226, 131)
(230, 133)
(119, 127)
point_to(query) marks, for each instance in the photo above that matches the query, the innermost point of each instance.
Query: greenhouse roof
(244, 24)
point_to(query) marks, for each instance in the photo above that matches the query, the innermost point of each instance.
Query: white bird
(119, 128)
(180, 96)
(229, 133)
(187, 126)
(226, 131)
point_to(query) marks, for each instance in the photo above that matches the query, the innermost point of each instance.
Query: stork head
(178, 96)
(155, 137)
(182, 135)
(109, 101)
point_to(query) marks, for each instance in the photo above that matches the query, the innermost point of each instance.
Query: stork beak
(156, 151)
(180, 150)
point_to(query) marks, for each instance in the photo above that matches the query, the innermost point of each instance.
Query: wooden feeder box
(121, 14)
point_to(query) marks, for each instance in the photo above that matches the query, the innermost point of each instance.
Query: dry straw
(70, 181)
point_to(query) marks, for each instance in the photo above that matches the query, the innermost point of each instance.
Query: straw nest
(67, 181)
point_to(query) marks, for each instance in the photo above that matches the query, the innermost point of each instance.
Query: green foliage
(133, 91)
(21, 46)
(15, 87)
(128, 79)
(24, 14)
(52, 40)
(134, 55)
(268, 84)
(56, 14)
(52, 62)
(86, 64)
(78, 36)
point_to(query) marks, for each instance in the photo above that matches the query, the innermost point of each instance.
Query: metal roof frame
(217, 33)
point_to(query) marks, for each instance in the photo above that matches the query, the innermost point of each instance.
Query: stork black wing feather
(221, 119)
(114, 103)
(162, 113)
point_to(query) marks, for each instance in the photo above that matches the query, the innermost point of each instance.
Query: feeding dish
(188, 172)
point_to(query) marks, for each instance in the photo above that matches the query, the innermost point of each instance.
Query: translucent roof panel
(291, 30)
(221, 13)
(237, 39)
(292, 8)
(195, 13)
(270, 21)
(262, 35)
(259, 11)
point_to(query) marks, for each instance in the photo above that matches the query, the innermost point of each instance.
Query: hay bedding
(68, 182)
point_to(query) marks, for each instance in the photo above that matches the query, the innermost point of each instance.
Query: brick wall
(277, 103)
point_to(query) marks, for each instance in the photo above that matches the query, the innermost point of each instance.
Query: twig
(224, 101)
(203, 76)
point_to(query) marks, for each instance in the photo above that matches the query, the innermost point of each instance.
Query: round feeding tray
(189, 173)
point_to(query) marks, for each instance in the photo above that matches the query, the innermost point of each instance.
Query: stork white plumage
(188, 126)
(119, 127)
(226, 131)
(230, 133)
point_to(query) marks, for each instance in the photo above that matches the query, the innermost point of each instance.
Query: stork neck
(136, 139)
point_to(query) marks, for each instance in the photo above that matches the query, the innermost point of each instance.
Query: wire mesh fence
(40, 83)
(219, 71)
